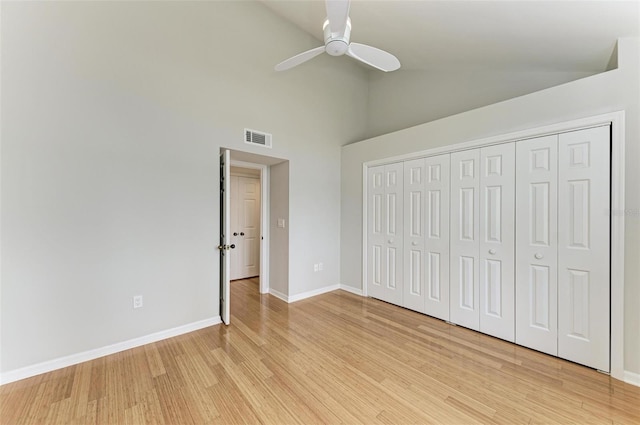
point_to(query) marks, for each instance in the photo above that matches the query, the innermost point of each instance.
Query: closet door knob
(235, 233)
(241, 233)
(390, 241)
(414, 243)
(492, 251)
(538, 256)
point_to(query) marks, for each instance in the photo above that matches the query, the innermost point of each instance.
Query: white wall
(113, 114)
(611, 91)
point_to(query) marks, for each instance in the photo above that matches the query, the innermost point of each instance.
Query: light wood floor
(335, 358)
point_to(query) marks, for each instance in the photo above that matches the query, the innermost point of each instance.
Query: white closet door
(536, 238)
(384, 222)
(583, 247)
(497, 241)
(464, 289)
(414, 235)
(436, 228)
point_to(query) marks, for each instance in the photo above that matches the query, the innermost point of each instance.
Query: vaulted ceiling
(510, 35)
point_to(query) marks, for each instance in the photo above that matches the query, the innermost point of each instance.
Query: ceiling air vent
(257, 138)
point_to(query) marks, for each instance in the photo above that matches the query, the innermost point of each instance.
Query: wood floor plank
(332, 359)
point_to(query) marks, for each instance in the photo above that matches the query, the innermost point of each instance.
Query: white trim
(351, 289)
(73, 359)
(617, 121)
(561, 127)
(303, 295)
(632, 378)
(617, 244)
(264, 220)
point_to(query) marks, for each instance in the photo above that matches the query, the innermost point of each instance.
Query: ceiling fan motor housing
(336, 44)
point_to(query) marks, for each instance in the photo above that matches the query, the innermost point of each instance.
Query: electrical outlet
(320, 266)
(315, 267)
(137, 301)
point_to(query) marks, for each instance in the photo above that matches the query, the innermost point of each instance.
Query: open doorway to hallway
(239, 231)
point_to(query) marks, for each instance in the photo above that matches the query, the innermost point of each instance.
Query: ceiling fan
(337, 30)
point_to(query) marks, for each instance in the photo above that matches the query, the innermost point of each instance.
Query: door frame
(617, 121)
(264, 219)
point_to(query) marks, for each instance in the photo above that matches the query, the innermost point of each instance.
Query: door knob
(414, 243)
(232, 246)
(492, 251)
(241, 233)
(538, 256)
(235, 233)
(390, 241)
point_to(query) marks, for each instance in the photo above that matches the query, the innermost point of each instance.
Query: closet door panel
(414, 235)
(437, 236)
(394, 174)
(376, 266)
(464, 267)
(536, 240)
(385, 233)
(497, 241)
(583, 247)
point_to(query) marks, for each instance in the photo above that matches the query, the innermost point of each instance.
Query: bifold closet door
(583, 247)
(536, 239)
(426, 238)
(497, 241)
(385, 232)
(464, 241)
(436, 258)
(414, 235)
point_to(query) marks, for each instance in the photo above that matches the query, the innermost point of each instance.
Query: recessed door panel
(583, 247)
(539, 297)
(436, 238)
(536, 237)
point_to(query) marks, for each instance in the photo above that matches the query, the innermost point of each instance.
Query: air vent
(257, 138)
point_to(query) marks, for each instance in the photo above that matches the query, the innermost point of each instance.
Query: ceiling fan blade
(374, 57)
(337, 13)
(299, 58)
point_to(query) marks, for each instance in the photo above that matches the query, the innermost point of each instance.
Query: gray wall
(402, 99)
(278, 236)
(610, 91)
(113, 115)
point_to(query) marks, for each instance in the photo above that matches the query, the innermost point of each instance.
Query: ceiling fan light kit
(337, 33)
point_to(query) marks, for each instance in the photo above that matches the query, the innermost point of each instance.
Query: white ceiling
(482, 35)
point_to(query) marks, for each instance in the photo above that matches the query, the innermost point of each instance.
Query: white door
(414, 235)
(536, 239)
(245, 227)
(464, 286)
(436, 230)
(224, 246)
(497, 241)
(384, 235)
(583, 247)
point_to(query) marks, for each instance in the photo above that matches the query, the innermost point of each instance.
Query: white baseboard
(304, 295)
(351, 289)
(279, 295)
(632, 378)
(59, 363)
(309, 294)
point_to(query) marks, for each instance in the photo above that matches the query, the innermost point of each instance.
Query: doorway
(245, 222)
(261, 166)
